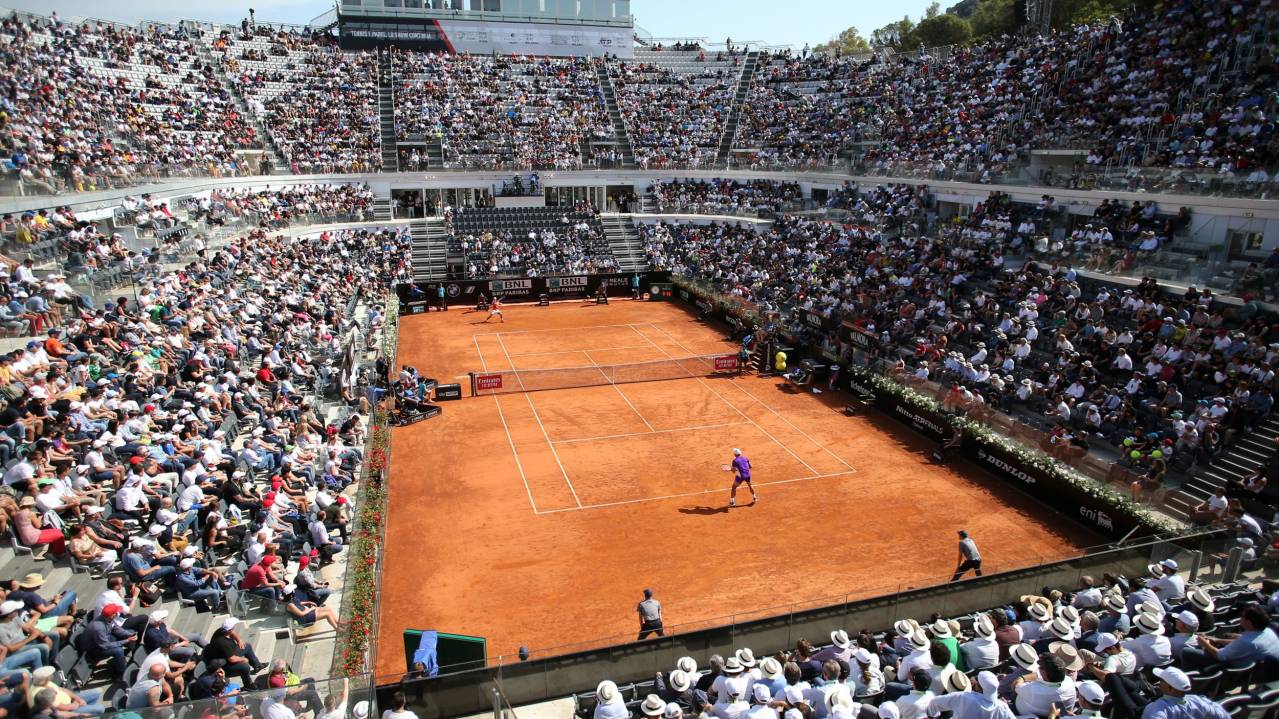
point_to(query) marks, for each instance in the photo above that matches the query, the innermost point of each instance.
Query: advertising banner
(417, 298)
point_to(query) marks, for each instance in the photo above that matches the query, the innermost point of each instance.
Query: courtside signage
(726, 362)
(488, 381)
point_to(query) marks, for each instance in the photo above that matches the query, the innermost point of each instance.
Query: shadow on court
(704, 511)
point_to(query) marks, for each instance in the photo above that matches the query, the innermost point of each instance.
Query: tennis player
(742, 469)
(495, 308)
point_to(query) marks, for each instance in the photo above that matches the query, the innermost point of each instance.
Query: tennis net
(536, 380)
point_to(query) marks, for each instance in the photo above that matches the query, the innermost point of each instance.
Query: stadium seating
(529, 241)
(186, 99)
(924, 667)
(530, 113)
(319, 104)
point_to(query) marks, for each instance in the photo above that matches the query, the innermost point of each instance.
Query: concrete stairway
(624, 241)
(430, 250)
(278, 164)
(615, 112)
(744, 83)
(1250, 450)
(386, 111)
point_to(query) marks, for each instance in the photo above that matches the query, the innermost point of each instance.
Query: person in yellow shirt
(88, 703)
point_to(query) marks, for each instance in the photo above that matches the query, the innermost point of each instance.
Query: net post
(472, 375)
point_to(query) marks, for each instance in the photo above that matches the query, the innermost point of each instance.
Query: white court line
(519, 465)
(593, 349)
(725, 401)
(510, 362)
(552, 446)
(656, 431)
(480, 352)
(625, 399)
(691, 494)
(792, 424)
(557, 329)
(765, 406)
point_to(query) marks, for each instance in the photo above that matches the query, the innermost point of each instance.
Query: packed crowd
(1180, 87)
(319, 104)
(1170, 87)
(724, 196)
(531, 112)
(122, 429)
(575, 245)
(93, 105)
(674, 119)
(1163, 379)
(281, 207)
(1141, 648)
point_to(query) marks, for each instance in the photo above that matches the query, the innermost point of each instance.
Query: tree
(933, 10)
(993, 18)
(848, 42)
(896, 35)
(942, 30)
(963, 8)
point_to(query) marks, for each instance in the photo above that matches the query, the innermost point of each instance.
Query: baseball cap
(762, 693)
(1174, 677)
(10, 607)
(1106, 640)
(109, 610)
(1092, 692)
(672, 710)
(1189, 618)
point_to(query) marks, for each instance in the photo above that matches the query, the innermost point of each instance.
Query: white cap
(762, 693)
(1091, 691)
(10, 607)
(187, 563)
(1189, 618)
(737, 452)
(159, 615)
(1106, 640)
(1175, 678)
(229, 623)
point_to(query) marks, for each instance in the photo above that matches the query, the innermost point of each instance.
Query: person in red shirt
(260, 579)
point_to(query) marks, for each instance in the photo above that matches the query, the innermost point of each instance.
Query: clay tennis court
(536, 518)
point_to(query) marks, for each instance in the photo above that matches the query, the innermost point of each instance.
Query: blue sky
(777, 22)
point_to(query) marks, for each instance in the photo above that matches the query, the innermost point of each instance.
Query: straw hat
(840, 638)
(1148, 624)
(606, 691)
(680, 681)
(652, 706)
(955, 681)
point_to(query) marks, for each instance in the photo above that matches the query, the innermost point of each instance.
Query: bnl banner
(483, 37)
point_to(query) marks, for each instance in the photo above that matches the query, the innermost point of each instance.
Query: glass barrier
(306, 698)
(559, 672)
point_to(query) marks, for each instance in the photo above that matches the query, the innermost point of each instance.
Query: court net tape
(535, 380)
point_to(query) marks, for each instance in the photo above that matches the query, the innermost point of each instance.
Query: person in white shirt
(914, 705)
(1167, 584)
(760, 698)
(1088, 596)
(1036, 695)
(966, 702)
(982, 651)
(617, 707)
(1151, 647)
(1114, 657)
(919, 657)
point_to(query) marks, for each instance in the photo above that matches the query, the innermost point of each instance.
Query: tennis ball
(1135, 454)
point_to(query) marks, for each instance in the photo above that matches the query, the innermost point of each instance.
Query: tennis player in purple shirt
(742, 469)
